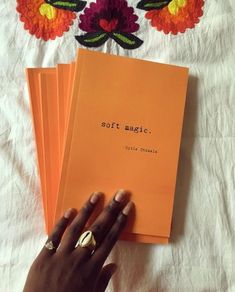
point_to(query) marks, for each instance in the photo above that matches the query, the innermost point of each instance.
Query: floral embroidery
(106, 19)
(44, 20)
(176, 16)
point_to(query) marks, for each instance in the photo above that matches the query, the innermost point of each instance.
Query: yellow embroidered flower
(175, 5)
(48, 11)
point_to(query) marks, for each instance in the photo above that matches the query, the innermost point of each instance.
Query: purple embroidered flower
(106, 19)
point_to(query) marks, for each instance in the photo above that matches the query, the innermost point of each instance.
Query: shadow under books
(184, 174)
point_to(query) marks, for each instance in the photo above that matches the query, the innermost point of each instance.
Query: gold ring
(87, 240)
(49, 245)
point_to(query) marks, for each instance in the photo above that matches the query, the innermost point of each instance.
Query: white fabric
(201, 254)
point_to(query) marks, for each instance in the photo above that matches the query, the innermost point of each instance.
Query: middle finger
(78, 224)
(106, 219)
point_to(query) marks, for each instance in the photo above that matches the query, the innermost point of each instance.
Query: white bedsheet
(201, 254)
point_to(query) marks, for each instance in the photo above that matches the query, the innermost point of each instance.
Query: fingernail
(126, 211)
(120, 196)
(95, 197)
(69, 213)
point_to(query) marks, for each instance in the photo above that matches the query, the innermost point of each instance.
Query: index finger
(54, 238)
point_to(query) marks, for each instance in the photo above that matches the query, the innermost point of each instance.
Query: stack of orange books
(107, 122)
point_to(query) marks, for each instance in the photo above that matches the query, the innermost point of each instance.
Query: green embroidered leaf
(64, 4)
(72, 5)
(95, 39)
(126, 40)
(92, 39)
(148, 5)
(155, 5)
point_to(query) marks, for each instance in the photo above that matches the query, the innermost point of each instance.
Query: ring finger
(111, 238)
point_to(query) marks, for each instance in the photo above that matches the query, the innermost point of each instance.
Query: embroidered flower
(43, 20)
(106, 19)
(173, 16)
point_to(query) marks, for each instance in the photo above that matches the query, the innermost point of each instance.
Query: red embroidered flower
(98, 16)
(177, 16)
(106, 19)
(43, 20)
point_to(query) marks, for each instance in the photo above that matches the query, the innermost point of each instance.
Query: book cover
(126, 236)
(124, 132)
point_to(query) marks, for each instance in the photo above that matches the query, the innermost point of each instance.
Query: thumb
(105, 276)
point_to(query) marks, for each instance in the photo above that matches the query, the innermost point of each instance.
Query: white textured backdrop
(201, 255)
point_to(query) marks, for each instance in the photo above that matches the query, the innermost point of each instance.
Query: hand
(71, 268)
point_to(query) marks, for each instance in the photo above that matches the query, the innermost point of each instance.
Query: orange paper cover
(124, 132)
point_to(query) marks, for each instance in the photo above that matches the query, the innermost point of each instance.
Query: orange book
(131, 237)
(49, 99)
(124, 132)
(32, 75)
(51, 140)
(62, 71)
(64, 94)
(65, 74)
(69, 93)
(55, 89)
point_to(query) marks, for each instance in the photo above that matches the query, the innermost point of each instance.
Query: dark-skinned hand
(70, 267)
